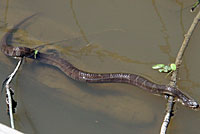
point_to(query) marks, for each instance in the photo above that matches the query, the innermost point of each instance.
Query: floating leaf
(173, 66)
(158, 66)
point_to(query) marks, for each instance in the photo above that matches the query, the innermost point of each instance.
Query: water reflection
(77, 22)
(69, 47)
(164, 48)
(6, 10)
(181, 4)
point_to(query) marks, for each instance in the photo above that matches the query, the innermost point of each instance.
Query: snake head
(192, 104)
(189, 102)
(183, 97)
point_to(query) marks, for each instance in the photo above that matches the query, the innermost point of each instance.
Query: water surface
(99, 36)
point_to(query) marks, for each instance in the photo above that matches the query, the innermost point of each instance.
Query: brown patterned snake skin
(80, 75)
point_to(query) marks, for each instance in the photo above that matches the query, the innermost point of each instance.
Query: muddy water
(99, 36)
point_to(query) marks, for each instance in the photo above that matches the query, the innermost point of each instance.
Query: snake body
(80, 75)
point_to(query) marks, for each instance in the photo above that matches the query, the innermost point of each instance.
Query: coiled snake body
(80, 75)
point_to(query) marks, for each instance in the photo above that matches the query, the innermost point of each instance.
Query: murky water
(99, 36)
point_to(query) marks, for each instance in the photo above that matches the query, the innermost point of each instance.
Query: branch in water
(11, 103)
(170, 104)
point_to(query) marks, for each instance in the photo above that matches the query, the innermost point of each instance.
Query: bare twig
(9, 102)
(9, 97)
(173, 81)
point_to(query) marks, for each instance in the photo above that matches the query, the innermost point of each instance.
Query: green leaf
(158, 66)
(35, 53)
(167, 68)
(195, 6)
(161, 70)
(173, 67)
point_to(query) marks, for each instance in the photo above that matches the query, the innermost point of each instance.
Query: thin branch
(173, 81)
(9, 102)
(9, 97)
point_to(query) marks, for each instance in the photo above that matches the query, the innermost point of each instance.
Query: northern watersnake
(80, 75)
